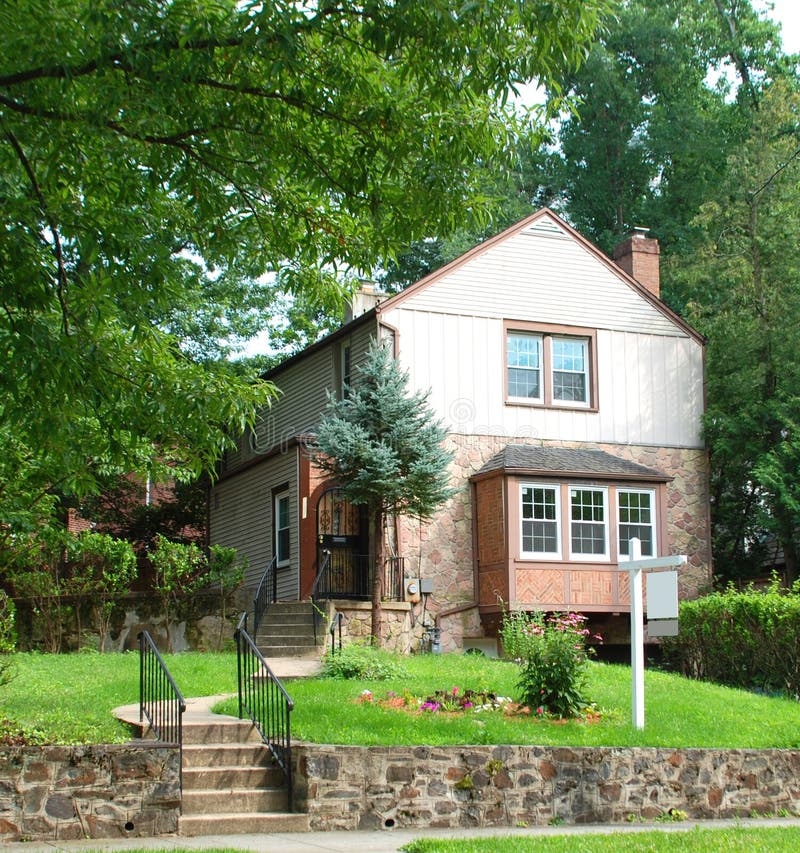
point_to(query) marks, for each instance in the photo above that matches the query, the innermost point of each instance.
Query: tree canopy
(159, 159)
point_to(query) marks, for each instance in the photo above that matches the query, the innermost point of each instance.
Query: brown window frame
(547, 332)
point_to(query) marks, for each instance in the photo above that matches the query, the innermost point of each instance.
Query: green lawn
(679, 712)
(69, 699)
(776, 839)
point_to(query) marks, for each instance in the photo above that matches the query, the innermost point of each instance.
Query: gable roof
(546, 223)
(534, 460)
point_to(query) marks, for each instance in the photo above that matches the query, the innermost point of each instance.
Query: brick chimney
(638, 256)
(367, 297)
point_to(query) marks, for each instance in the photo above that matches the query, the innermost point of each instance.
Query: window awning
(533, 460)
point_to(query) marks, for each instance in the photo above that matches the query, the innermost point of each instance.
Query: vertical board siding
(650, 387)
(241, 516)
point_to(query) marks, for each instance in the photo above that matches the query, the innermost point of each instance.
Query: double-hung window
(282, 529)
(588, 523)
(636, 510)
(525, 365)
(549, 368)
(570, 370)
(541, 529)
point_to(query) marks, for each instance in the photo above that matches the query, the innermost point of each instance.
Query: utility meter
(412, 590)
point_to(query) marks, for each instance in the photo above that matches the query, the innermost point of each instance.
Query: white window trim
(653, 519)
(572, 404)
(550, 555)
(284, 495)
(542, 375)
(590, 558)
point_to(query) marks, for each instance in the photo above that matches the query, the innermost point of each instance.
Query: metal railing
(336, 622)
(265, 701)
(393, 578)
(160, 700)
(320, 589)
(266, 593)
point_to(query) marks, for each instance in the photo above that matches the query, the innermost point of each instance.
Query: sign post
(636, 565)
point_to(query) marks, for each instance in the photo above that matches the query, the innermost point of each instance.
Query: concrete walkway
(198, 710)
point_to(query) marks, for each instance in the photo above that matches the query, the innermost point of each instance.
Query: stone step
(240, 824)
(249, 754)
(223, 778)
(238, 731)
(236, 800)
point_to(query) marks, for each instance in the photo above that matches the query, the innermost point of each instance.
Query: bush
(364, 662)
(553, 655)
(748, 639)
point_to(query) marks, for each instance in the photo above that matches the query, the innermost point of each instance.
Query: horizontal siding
(241, 516)
(552, 279)
(650, 387)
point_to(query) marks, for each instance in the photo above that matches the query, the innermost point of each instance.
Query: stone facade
(348, 787)
(106, 791)
(443, 549)
(396, 632)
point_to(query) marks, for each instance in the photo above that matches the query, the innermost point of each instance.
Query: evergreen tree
(383, 447)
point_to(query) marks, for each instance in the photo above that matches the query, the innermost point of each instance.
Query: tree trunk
(377, 580)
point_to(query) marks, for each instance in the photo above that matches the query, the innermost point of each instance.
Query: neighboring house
(572, 398)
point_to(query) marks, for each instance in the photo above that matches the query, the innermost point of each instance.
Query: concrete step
(222, 778)
(280, 650)
(238, 731)
(240, 824)
(249, 754)
(237, 800)
(288, 629)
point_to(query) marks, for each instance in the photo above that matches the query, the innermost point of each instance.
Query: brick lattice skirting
(348, 787)
(104, 791)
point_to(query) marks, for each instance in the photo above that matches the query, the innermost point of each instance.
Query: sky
(787, 13)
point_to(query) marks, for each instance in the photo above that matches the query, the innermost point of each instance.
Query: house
(572, 398)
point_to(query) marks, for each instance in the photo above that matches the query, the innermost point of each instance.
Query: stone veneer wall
(349, 787)
(442, 550)
(103, 791)
(357, 624)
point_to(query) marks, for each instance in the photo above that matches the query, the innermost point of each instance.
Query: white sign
(636, 565)
(662, 595)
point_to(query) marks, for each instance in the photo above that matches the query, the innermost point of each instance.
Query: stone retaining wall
(348, 787)
(105, 791)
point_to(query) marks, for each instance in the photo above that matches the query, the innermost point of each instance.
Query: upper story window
(525, 366)
(546, 367)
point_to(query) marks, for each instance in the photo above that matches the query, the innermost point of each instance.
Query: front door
(342, 531)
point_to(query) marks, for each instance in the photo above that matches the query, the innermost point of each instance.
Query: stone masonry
(104, 791)
(348, 787)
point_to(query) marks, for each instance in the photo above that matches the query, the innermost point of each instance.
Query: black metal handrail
(160, 700)
(265, 701)
(337, 620)
(267, 592)
(394, 576)
(315, 590)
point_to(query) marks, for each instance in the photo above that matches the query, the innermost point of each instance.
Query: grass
(69, 699)
(776, 839)
(679, 712)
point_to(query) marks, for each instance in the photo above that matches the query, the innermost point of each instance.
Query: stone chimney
(638, 256)
(367, 297)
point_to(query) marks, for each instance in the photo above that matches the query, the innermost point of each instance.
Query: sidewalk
(381, 841)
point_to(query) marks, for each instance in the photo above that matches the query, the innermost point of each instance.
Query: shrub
(748, 639)
(553, 655)
(363, 662)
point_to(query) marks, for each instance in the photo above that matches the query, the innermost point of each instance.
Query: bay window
(588, 522)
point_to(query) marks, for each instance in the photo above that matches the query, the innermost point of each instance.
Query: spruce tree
(384, 448)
